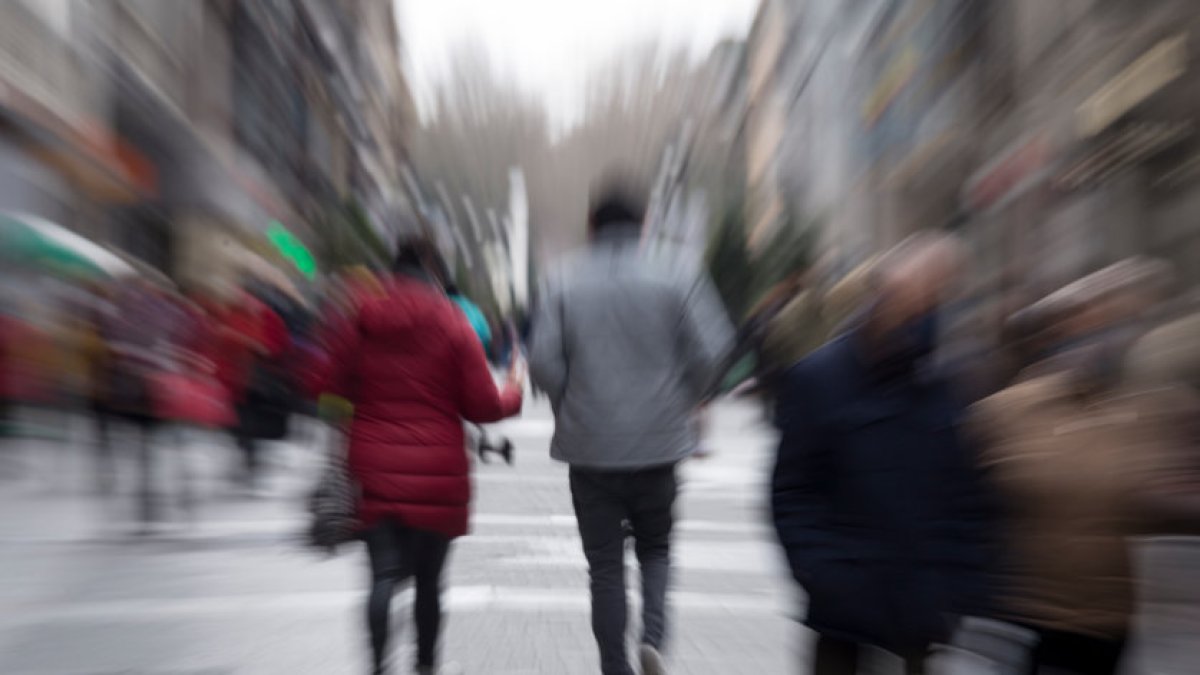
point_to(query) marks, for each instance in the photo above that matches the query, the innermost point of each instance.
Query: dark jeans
(146, 426)
(609, 505)
(6, 432)
(836, 656)
(250, 457)
(248, 444)
(397, 554)
(105, 467)
(1061, 652)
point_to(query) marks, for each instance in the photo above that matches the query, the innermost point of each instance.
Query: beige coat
(1169, 353)
(1072, 474)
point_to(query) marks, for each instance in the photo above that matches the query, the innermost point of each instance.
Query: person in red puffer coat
(412, 366)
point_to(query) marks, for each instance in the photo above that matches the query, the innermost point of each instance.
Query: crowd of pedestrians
(925, 489)
(917, 504)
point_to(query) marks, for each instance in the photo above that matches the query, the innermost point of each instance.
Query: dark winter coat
(878, 502)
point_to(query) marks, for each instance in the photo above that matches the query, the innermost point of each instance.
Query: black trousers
(251, 460)
(609, 506)
(1062, 652)
(836, 656)
(146, 426)
(398, 554)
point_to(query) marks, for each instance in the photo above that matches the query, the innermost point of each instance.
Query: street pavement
(229, 590)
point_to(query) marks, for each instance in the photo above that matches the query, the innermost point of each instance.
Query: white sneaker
(652, 661)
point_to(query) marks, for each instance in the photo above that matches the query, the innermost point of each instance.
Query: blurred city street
(265, 263)
(235, 593)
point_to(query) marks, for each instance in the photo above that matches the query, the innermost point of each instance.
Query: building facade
(1057, 136)
(174, 131)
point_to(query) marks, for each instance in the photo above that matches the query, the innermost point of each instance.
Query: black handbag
(333, 505)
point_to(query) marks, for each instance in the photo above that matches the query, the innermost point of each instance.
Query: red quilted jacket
(413, 368)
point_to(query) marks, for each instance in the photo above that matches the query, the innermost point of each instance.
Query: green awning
(34, 243)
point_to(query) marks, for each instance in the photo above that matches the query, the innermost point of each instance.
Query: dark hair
(452, 289)
(412, 252)
(616, 205)
(418, 252)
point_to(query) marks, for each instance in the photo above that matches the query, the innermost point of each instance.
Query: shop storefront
(1082, 182)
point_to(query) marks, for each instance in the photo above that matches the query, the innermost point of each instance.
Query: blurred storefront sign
(104, 166)
(31, 187)
(292, 249)
(896, 76)
(95, 159)
(915, 68)
(1019, 168)
(205, 185)
(1123, 147)
(1153, 70)
(44, 97)
(939, 145)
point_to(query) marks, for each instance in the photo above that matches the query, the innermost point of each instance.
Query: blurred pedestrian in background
(1079, 455)
(141, 332)
(479, 324)
(9, 333)
(1167, 563)
(255, 341)
(412, 367)
(99, 314)
(626, 347)
(475, 317)
(876, 497)
(1170, 352)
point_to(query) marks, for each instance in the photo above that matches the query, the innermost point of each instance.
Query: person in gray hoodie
(626, 345)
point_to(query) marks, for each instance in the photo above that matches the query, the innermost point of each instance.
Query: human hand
(517, 371)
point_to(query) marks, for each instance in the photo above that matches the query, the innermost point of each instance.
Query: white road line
(704, 477)
(568, 520)
(481, 520)
(458, 599)
(749, 557)
(506, 477)
(544, 427)
(285, 527)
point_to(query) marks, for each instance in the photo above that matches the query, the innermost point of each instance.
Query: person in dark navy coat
(876, 498)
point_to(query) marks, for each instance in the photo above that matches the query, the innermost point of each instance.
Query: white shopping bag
(984, 647)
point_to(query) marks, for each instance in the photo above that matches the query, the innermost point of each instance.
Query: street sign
(291, 248)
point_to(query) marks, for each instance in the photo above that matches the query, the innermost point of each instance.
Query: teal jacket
(477, 319)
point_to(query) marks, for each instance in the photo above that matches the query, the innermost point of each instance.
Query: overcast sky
(549, 45)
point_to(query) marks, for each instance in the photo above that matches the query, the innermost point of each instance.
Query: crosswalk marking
(479, 598)
(285, 527)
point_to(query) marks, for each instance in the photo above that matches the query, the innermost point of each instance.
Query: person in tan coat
(1171, 351)
(1168, 565)
(1077, 456)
